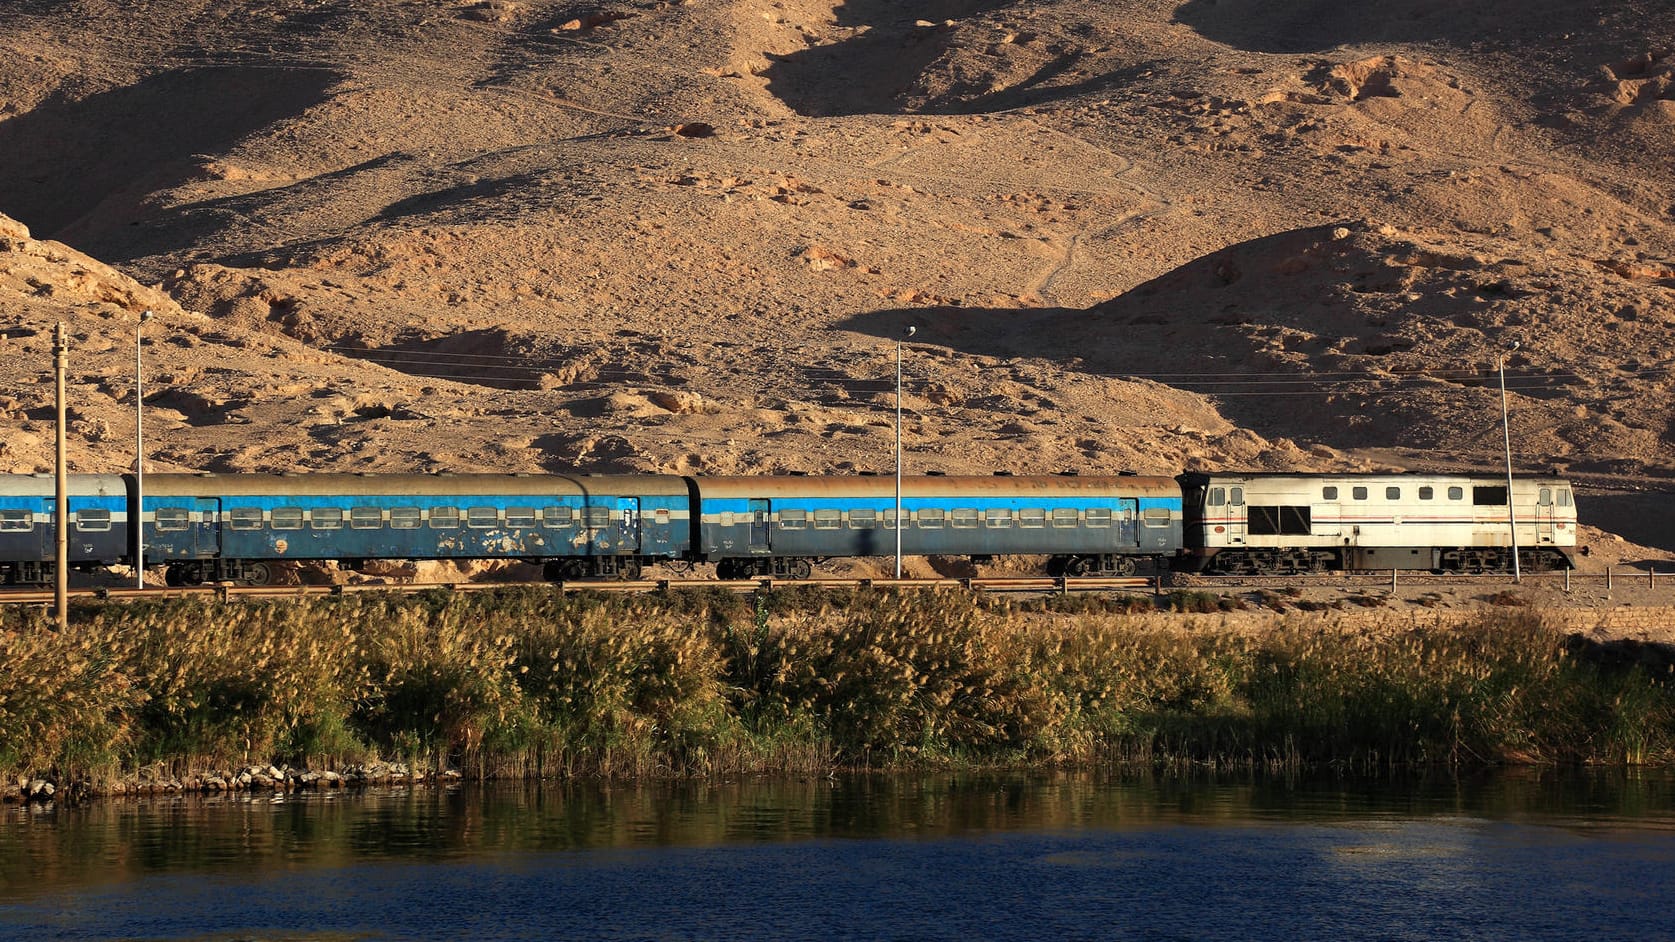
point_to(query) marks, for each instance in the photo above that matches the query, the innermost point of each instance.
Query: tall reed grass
(528, 682)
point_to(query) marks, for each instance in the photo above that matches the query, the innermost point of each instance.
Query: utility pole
(907, 333)
(1506, 437)
(61, 509)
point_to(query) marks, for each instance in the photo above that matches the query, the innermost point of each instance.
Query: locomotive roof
(1203, 477)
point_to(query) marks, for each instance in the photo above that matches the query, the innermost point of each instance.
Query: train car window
(556, 517)
(1155, 516)
(405, 518)
(14, 520)
(997, 517)
(481, 518)
(793, 519)
(1488, 496)
(1544, 497)
(1455, 493)
(245, 518)
(1218, 497)
(863, 518)
(325, 518)
(828, 519)
(597, 517)
(1065, 516)
(661, 517)
(1032, 517)
(888, 518)
(1358, 493)
(725, 519)
(1564, 497)
(444, 518)
(520, 516)
(93, 521)
(931, 518)
(366, 518)
(171, 518)
(286, 518)
(1236, 496)
(1329, 493)
(963, 517)
(1280, 520)
(1392, 493)
(1098, 516)
(1426, 493)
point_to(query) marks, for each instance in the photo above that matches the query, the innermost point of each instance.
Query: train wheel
(629, 569)
(257, 574)
(1076, 567)
(1124, 566)
(800, 569)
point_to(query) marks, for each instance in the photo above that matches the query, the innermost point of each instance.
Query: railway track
(1041, 585)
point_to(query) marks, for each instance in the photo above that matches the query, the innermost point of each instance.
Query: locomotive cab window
(1098, 517)
(1426, 493)
(1358, 493)
(1218, 497)
(93, 520)
(863, 518)
(1455, 493)
(1328, 493)
(366, 518)
(325, 518)
(931, 518)
(404, 518)
(1392, 493)
(1488, 496)
(1236, 496)
(793, 519)
(171, 518)
(1544, 497)
(14, 520)
(245, 518)
(481, 518)
(1564, 497)
(286, 518)
(444, 518)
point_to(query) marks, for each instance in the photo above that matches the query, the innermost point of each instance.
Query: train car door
(628, 512)
(759, 529)
(1235, 514)
(206, 527)
(1544, 515)
(1128, 512)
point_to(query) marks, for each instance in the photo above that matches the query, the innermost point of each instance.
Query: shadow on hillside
(82, 170)
(1319, 25)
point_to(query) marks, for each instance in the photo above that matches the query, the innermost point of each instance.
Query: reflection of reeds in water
(531, 683)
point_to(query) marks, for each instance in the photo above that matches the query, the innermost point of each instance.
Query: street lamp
(910, 331)
(1506, 436)
(137, 524)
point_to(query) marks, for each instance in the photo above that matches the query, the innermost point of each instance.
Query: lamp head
(909, 331)
(145, 315)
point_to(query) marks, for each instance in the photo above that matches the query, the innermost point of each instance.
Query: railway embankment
(205, 694)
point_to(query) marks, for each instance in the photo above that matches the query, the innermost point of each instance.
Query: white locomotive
(1287, 523)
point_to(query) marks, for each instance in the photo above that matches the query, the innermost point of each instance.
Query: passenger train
(236, 527)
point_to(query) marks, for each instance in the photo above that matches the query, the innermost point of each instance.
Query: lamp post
(137, 524)
(1506, 437)
(906, 333)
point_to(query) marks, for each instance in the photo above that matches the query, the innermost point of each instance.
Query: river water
(1534, 855)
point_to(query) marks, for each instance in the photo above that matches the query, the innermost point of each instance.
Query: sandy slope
(394, 234)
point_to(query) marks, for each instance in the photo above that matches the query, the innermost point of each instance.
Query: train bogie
(1284, 523)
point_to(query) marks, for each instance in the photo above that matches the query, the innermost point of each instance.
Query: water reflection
(115, 841)
(940, 857)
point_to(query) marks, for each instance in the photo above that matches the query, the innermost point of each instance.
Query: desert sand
(418, 235)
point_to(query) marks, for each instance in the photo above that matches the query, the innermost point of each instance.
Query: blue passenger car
(1085, 525)
(98, 525)
(233, 527)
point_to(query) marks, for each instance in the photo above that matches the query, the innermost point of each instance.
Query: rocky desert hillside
(388, 235)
